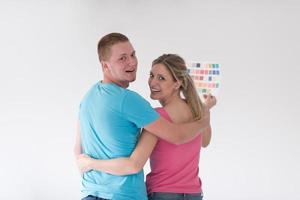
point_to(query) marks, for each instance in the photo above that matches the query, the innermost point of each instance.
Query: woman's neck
(171, 100)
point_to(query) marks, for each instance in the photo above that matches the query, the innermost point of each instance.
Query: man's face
(122, 64)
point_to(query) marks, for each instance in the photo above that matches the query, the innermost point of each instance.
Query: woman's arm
(206, 137)
(123, 165)
(77, 147)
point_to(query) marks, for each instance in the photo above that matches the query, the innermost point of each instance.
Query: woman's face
(162, 84)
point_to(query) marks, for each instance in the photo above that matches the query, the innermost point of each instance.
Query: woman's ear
(177, 84)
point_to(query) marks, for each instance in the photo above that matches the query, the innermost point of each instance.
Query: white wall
(48, 61)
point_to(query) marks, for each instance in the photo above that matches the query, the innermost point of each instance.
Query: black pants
(90, 197)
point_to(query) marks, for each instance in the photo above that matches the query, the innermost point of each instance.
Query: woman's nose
(152, 81)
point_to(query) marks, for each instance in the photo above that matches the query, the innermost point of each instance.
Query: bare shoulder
(179, 112)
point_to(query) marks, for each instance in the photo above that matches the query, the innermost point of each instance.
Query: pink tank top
(174, 168)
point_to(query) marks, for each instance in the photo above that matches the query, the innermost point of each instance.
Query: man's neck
(123, 84)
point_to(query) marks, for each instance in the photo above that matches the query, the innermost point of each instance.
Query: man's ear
(104, 66)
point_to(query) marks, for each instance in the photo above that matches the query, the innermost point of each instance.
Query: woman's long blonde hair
(176, 65)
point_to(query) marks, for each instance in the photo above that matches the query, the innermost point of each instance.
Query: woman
(174, 168)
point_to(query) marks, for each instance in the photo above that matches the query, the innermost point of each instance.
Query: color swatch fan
(206, 76)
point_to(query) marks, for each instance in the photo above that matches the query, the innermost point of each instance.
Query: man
(110, 120)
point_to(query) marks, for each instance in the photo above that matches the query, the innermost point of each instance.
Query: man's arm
(177, 133)
(182, 133)
(123, 165)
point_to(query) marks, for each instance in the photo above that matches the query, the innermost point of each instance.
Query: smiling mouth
(130, 71)
(155, 90)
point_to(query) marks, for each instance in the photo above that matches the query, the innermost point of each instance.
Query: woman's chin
(154, 97)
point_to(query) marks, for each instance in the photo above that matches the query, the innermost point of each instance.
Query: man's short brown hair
(107, 41)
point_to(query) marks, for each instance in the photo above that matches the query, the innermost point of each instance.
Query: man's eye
(151, 76)
(123, 58)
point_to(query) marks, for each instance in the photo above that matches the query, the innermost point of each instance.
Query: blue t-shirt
(111, 118)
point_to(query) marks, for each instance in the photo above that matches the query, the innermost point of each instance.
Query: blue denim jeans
(90, 197)
(174, 196)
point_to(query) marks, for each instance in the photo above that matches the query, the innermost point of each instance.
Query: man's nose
(132, 61)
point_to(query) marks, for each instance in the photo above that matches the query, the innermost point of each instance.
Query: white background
(49, 60)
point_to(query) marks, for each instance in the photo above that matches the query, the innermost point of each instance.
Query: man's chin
(133, 79)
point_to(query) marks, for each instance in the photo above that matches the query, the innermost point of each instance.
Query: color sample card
(206, 76)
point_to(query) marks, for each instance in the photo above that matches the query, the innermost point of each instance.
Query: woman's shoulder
(180, 113)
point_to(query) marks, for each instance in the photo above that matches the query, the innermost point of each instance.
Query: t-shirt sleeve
(137, 110)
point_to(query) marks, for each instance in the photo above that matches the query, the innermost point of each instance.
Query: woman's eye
(161, 78)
